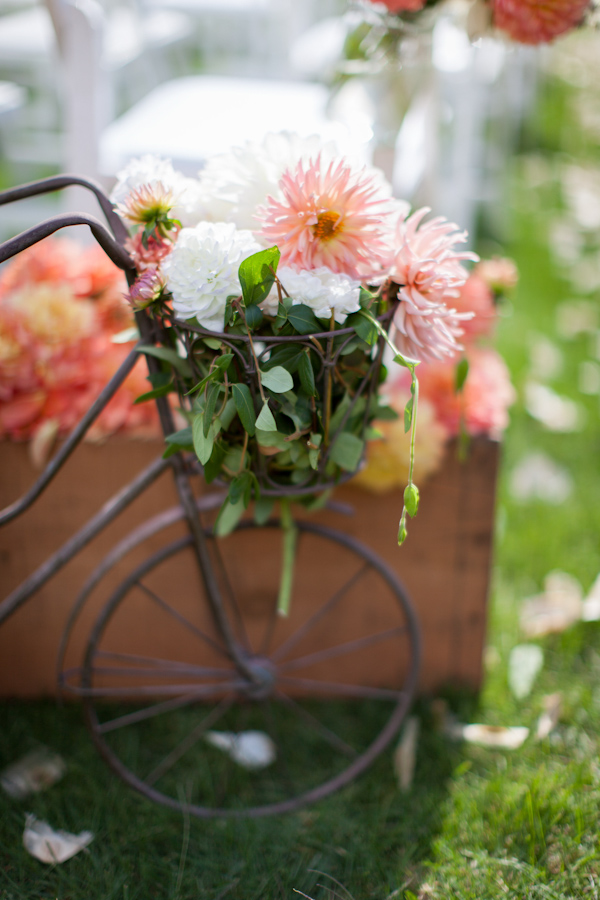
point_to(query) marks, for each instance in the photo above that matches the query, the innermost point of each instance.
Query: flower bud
(411, 499)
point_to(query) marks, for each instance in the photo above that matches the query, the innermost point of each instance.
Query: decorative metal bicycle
(217, 655)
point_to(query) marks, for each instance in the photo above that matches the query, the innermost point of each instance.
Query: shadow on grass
(369, 836)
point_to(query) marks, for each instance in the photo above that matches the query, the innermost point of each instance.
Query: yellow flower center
(328, 224)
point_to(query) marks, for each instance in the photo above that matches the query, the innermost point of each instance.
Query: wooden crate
(445, 563)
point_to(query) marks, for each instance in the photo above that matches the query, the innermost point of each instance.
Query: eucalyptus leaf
(155, 394)
(289, 356)
(229, 516)
(314, 451)
(257, 275)
(212, 468)
(244, 406)
(182, 438)
(263, 507)
(167, 354)
(266, 420)
(239, 487)
(277, 380)
(228, 414)
(203, 444)
(346, 451)
(271, 439)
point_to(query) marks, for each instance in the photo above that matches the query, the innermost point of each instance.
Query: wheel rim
(171, 689)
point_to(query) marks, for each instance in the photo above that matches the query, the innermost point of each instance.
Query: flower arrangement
(60, 307)
(272, 335)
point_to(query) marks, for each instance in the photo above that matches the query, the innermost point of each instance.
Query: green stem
(290, 535)
(328, 384)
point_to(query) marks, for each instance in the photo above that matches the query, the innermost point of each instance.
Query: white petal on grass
(591, 605)
(548, 720)
(249, 749)
(558, 607)
(34, 772)
(546, 358)
(575, 317)
(589, 377)
(405, 754)
(555, 413)
(538, 477)
(508, 738)
(50, 846)
(524, 665)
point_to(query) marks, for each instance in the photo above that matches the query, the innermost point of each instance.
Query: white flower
(235, 184)
(326, 292)
(202, 270)
(149, 170)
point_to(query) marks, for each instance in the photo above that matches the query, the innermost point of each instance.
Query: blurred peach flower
(538, 21)
(398, 6)
(482, 405)
(499, 273)
(476, 296)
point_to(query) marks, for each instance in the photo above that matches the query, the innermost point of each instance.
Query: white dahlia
(202, 270)
(326, 292)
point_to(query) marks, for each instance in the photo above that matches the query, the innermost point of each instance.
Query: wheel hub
(264, 678)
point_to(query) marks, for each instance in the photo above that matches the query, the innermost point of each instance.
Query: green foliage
(257, 275)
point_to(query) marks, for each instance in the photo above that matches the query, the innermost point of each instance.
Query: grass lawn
(477, 823)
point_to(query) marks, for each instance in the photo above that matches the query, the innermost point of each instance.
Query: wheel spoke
(302, 662)
(343, 690)
(330, 736)
(157, 690)
(191, 671)
(148, 712)
(291, 642)
(232, 597)
(181, 619)
(188, 742)
(173, 665)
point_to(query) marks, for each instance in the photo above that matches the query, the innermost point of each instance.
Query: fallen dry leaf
(50, 846)
(405, 754)
(548, 720)
(558, 607)
(508, 738)
(34, 772)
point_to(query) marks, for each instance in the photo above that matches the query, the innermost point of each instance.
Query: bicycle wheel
(167, 708)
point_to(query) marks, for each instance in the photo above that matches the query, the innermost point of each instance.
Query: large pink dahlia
(331, 217)
(538, 21)
(429, 273)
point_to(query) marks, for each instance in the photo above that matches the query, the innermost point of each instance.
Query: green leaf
(212, 395)
(277, 380)
(229, 515)
(223, 362)
(307, 375)
(347, 450)
(411, 499)
(263, 507)
(160, 379)
(363, 327)
(254, 317)
(212, 468)
(245, 408)
(289, 356)
(213, 343)
(303, 319)
(315, 451)
(266, 420)
(366, 297)
(462, 370)
(166, 354)
(155, 394)
(271, 439)
(203, 445)
(241, 488)
(257, 275)
(228, 414)
(339, 412)
(181, 438)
